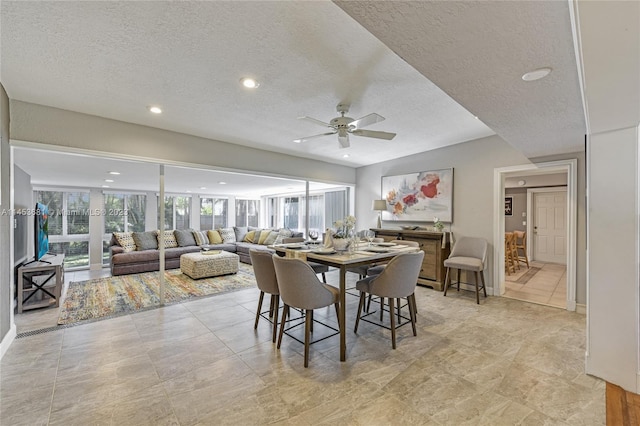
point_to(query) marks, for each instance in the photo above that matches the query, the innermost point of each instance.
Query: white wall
(7, 326)
(37, 123)
(473, 163)
(613, 289)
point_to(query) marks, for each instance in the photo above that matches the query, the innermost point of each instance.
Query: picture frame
(419, 196)
(508, 206)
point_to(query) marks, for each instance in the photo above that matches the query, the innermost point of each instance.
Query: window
(213, 213)
(289, 211)
(177, 212)
(68, 225)
(247, 212)
(122, 213)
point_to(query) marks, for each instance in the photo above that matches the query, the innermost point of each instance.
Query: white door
(550, 227)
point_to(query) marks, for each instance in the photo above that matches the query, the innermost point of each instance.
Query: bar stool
(520, 241)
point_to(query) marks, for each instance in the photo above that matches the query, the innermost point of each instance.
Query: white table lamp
(379, 206)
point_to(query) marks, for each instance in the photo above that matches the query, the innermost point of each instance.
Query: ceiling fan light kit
(344, 126)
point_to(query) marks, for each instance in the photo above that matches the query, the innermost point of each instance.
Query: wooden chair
(509, 262)
(520, 241)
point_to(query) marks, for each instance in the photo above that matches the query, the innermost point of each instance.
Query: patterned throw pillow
(145, 240)
(282, 234)
(201, 237)
(248, 238)
(125, 239)
(271, 238)
(228, 235)
(214, 237)
(169, 239)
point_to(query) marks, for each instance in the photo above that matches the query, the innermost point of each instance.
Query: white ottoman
(198, 265)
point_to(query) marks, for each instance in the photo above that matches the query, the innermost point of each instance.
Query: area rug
(124, 294)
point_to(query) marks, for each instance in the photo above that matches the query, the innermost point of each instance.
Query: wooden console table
(40, 283)
(436, 249)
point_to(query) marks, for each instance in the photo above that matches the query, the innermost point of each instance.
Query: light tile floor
(503, 362)
(548, 286)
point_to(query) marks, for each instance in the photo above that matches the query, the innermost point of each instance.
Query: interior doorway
(563, 214)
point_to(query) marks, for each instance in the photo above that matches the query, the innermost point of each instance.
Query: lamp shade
(379, 205)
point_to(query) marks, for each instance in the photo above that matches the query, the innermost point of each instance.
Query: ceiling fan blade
(374, 134)
(306, 138)
(313, 120)
(367, 120)
(343, 138)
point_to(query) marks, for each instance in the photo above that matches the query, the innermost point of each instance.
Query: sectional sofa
(134, 252)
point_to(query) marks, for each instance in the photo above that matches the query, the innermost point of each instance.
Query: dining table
(362, 254)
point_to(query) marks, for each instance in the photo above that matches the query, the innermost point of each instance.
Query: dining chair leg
(285, 313)
(307, 328)
(477, 288)
(324, 278)
(412, 312)
(255, 325)
(276, 307)
(459, 276)
(484, 286)
(415, 305)
(447, 281)
(393, 323)
(398, 308)
(360, 305)
(310, 313)
(368, 303)
(337, 306)
(382, 308)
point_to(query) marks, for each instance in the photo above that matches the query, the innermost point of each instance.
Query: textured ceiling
(114, 59)
(477, 52)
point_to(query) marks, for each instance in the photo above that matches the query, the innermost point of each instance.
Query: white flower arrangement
(344, 227)
(439, 226)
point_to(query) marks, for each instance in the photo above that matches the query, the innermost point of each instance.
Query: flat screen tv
(41, 231)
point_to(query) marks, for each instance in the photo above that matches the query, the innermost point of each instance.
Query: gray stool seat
(468, 254)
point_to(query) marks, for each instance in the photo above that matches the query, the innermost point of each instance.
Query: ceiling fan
(344, 125)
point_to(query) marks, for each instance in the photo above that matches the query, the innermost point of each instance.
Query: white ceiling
(114, 59)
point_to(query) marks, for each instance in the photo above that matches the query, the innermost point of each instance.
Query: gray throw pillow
(240, 232)
(271, 239)
(145, 240)
(184, 237)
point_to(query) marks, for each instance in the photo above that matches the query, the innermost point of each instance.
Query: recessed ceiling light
(536, 74)
(188, 192)
(297, 140)
(155, 109)
(105, 186)
(108, 180)
(476, 117)
(114, 173)
(222, 183)
(203, 187)
(346, 155)
(249, 83)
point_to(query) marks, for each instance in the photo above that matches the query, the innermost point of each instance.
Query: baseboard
(580, 309)
(571, 305)
(8, 340)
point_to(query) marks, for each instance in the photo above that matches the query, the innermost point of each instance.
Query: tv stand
(40, 283)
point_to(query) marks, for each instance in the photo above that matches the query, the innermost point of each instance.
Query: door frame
(530, 212)
(570, 167)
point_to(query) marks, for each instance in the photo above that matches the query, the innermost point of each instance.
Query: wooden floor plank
(623, 408)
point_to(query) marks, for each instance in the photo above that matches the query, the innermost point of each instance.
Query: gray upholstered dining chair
(468, 254)
(267, 282)
(317, 267)
(397, 280)
(300, 288)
